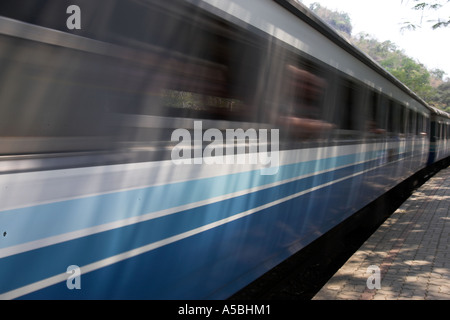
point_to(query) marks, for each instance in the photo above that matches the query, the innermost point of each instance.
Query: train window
(416, 124)
(64, 108)
(411, 122)
(194, 68)
(303, 93)
(372, 106)
(402, 120)
(375, 114)
(383, 112)
(393, 114)
(423, 127)
(103, 95)
(433, 130)
(348, 106)
(419, 123)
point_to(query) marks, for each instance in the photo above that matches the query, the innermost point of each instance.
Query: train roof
(305, 14)
(439, 112)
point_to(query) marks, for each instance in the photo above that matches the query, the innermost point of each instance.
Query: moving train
(180, 149)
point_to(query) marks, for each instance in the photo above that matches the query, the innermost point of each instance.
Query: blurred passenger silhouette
(372, 127)
(301, 114)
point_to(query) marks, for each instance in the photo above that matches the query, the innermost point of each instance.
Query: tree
(410, 72)
(427, 84)
(340, 21)
(437, 73)
(441, 98)
(433, 5)
(414, 75)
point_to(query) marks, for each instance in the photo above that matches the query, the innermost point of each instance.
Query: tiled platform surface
(411, 251)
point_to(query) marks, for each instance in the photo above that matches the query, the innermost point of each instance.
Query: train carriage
(439, 135)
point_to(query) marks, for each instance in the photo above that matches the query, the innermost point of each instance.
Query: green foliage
(427, 84)
(437, 73)
(441, 98)
(340, 21)
(410, 72)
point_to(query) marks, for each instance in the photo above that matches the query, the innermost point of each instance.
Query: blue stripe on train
(42, 221)
(227, 257)
(48, 261)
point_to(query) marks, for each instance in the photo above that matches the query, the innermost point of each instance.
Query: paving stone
(411, 250)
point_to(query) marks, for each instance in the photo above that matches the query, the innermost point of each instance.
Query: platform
(407, 258)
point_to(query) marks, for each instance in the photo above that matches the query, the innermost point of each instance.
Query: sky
(383, 19)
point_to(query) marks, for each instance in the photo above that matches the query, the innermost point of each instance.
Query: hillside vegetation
(430, 85)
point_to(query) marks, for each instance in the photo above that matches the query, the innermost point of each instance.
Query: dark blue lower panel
(218, 262)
